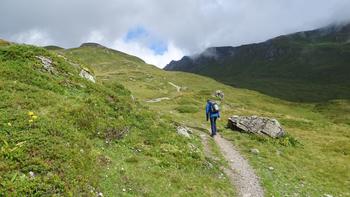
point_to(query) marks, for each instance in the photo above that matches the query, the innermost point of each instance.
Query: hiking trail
(240, 173)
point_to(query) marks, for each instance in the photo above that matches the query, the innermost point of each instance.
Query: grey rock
(47, 63)
(254, 151)
(219, 94)
(256, 125)
(184, 131)
(87, 75)
(328, 195)
(31, 174)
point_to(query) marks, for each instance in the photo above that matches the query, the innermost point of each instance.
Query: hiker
(212, 112)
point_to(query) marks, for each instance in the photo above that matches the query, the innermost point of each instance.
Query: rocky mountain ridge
(309, 62)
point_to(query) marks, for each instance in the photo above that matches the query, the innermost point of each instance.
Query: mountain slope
(63, 135)
(311, 161)
(306, 66)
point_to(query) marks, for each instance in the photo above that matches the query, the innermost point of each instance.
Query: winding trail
(240, 173)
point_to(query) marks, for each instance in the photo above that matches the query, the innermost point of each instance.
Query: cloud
(163, 29)
(33, 36)
(148, 54)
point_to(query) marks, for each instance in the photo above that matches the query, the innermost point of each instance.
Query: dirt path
(240, 173)
(178, 88)
(156, 100)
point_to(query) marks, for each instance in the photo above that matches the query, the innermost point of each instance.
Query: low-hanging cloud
(184, 27)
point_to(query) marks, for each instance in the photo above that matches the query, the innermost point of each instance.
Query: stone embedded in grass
(271, 168)
(47, 63)
(254, 151)
(219, 94)
(256, 125)
(31, 174)
(184, 131)
(87, 75)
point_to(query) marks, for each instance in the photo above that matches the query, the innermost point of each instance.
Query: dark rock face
(256, 125)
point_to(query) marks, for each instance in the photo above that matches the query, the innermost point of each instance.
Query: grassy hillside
(311, 161)
(308, 66)
(62, 135)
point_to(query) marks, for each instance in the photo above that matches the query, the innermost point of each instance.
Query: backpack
(215, 107)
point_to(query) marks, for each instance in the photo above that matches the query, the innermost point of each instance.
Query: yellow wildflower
(30, 113)
(9, 124)
(31, 120)
(34, 117)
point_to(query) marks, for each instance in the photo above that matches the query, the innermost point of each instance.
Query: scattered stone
(254, 151)
(327, 195)
(47, 63)
(256, 125)
(219, 94)
(31, 174)
(158, 100)
(124, 190)
(271, 168)
(100, 194)
(86, 74)
(184, 131)
(278, 152)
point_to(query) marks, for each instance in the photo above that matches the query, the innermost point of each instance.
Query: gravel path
(156, 100)
(240, 172)
(178, 88)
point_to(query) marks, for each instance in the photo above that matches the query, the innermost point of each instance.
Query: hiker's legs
(213, 125)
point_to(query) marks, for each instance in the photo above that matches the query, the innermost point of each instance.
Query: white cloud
(186, 26)
(33, 36)
(139, 49)
(148, 55)
(95, 36)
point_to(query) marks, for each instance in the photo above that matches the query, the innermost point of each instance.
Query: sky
(159, 31)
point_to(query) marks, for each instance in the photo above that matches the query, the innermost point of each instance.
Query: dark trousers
(213, 125)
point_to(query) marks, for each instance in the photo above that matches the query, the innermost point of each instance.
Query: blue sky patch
(140, 34)
(158, 47)
(136, 33)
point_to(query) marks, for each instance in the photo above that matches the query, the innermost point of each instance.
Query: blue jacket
(209, 113)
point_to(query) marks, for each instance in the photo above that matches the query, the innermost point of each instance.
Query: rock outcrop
(47, 64)
(184, 131)
(256, 125)
(219, 94)
(86, 74)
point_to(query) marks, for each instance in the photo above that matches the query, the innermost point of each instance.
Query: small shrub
(187, 109)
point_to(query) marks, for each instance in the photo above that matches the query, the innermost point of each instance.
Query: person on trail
(213, 113)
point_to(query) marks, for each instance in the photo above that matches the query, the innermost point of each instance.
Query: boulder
(254, 151)
(184, 131)
(86, 74)
(256, 125)
(47, 63)
(219, 94)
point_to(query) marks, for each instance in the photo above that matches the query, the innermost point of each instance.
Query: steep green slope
(311, 161)
(62, 135)
(307, 66)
